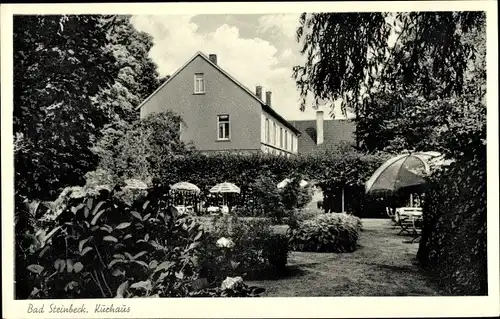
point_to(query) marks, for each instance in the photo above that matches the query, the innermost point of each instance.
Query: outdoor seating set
(189, 188)
(404, 174)
(409, 219)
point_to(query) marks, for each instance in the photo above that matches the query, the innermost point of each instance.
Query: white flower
(231, 282)
(225, 242)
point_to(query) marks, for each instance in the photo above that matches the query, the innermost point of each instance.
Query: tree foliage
(137, 77)
(60, 62)
(137, 150)
(426, 67)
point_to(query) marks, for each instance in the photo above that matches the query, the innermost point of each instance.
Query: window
(274, 134)
(276, 137)
(223, 127)
(199, 83)
(281, 137)
(291, 143)
(286, 140)
(267, 130)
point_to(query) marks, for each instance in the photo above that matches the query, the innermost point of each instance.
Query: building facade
(219, 114)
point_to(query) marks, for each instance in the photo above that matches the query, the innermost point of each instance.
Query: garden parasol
(225, 188)
(405, 171)
(133, 183)
(185, 187)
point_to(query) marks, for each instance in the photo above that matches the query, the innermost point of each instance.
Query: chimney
(258, 91)
(268, 98)
(319, 127)
(213, 58)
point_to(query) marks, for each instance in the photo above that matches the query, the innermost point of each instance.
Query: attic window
(199, 83)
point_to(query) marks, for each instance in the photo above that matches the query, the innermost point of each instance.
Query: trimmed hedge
(332, 171)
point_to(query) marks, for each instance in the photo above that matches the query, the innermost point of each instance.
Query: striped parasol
(225, 188)
(135, 184)
(186, 187)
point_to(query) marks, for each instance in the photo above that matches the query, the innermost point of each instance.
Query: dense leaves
(137, 77)
(136, 150)
(246, 258)
(60, 62)
(332, 232)
(393, 69)
(101, 247)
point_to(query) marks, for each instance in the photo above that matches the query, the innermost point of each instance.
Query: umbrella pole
(411, 199)
(342, 199)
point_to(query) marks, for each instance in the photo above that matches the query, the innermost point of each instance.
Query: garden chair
(409, 225)
(390, 213)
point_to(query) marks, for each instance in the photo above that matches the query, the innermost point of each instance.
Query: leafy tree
(60, 62)
(139, 149)
(137, 77)
(267, 195)
(391, 85)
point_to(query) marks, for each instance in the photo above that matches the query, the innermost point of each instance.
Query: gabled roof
(266, 107)
(335, 132)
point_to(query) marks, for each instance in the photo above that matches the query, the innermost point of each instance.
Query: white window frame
(281, 137)
(286, 140)
(267, 131)
(274, 134)
(196, 80)
(219, 122)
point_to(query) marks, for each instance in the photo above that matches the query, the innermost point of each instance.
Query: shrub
(104, 248)
(454, 234)
(297, 216)
(332, 232)
(244, 258)
(276, 251)
(293, 195)
(267, 197)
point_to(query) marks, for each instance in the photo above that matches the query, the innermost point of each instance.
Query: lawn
(383, 265)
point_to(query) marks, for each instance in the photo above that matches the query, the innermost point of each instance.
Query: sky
(254, 49)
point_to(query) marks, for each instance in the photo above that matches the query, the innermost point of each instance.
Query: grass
(383, 265)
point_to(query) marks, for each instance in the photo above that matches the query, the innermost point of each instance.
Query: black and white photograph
(210, 155)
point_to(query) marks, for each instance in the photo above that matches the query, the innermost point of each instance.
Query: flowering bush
(234, 247)
(230, 287)
(332, 232)
(225, 243)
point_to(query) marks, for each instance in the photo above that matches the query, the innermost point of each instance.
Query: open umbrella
(225, 188)
(186, 187)
(133, 183)
(400, 172)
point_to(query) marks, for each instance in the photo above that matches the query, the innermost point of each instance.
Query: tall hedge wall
(331, 171)
(453, 241)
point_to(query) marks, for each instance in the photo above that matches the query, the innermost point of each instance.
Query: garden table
(405, 212)
(409, 222)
